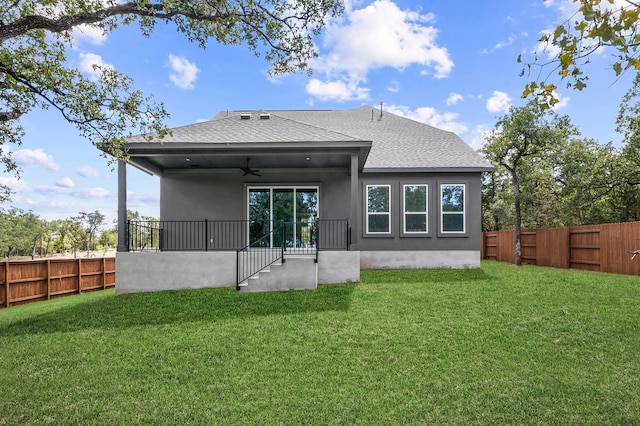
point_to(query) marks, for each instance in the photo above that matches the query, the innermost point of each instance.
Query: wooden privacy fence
(31, 281)
(603, 248)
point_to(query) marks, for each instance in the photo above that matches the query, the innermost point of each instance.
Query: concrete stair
(295, 273)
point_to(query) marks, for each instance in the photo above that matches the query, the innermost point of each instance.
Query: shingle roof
(227, 128)
(398, 143)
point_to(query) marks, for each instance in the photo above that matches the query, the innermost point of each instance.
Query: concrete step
(297, 273)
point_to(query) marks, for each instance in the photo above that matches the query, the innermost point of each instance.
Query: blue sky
(448, 64)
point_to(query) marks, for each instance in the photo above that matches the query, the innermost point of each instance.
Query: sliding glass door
(271, 208)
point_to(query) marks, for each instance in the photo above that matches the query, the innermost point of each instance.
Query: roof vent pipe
(381, 103)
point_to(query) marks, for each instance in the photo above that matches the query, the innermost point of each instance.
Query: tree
(90, 223)
(20, 232)
(521, 144)
(596, 24)
(588, 175)
(76, 234)
(628, 124)
(108, 239)
(35, 72)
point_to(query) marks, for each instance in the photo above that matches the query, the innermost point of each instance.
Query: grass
(498, 345)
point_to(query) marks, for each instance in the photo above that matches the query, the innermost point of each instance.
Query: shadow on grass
(171, 307)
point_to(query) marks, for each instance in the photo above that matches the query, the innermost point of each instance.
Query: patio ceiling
(156, 158)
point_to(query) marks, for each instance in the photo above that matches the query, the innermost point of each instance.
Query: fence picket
(602, 247)
(34, 280)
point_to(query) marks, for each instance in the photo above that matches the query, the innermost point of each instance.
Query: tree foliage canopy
(36, 34)
(578, 182)
(520, 147)
(596, 24)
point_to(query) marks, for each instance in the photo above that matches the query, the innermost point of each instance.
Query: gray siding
(434, 240)
(222, 196)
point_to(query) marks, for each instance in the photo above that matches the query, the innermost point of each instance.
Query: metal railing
(205, 235)
(143, 235)
(199, 235)
(256, 257)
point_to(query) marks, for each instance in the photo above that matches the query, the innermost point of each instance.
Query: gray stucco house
(288, 199)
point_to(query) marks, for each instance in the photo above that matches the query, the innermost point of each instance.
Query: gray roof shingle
(398, 143)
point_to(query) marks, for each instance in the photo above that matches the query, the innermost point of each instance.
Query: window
(453, 208)
(270, 206)
(378, 209)
(415, 209)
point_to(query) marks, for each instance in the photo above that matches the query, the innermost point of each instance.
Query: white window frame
(368, 213)
(463, 212)
(405, 212)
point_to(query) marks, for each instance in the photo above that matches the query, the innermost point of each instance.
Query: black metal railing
(333, 234)
(143, 235)
(256, 257)
(198, 235)
(205, 235)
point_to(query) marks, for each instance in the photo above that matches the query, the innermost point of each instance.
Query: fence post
(104, 272)
(6, 285)
(79, 275)
(48, 279)
(569, 248)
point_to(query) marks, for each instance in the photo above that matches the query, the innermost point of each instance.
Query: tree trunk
(518, 218)
(33, 248)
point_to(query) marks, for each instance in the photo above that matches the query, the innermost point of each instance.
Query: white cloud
(431, 116)
(14, 184)
(510, 40)
(93, 35)
(454, 98)
(184, 72)
(93, 193)
(85, 193)
(65, 183)
(90, 64)
(337, 90)
(499, 102)
(394, 86)
(34, 158)
(479, 136)
(377, 36)
(563, 101)
(383, 35)
(88, 172)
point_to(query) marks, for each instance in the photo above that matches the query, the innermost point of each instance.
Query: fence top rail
(57, 260)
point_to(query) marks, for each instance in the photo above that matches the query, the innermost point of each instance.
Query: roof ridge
(315, 126)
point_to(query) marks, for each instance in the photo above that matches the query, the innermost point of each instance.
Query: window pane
(306, 205)
(378, 223)
(259, 214)
(415, 198)
(452, 198)
(378, 199)
(415, 223)
(453, 222)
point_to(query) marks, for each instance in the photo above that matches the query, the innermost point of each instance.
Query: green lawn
(500, 345)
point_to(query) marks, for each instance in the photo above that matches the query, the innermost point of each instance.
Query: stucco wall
(434, 240)
(433, 259)
(143, 272)
(159, 271)
(223, 195)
